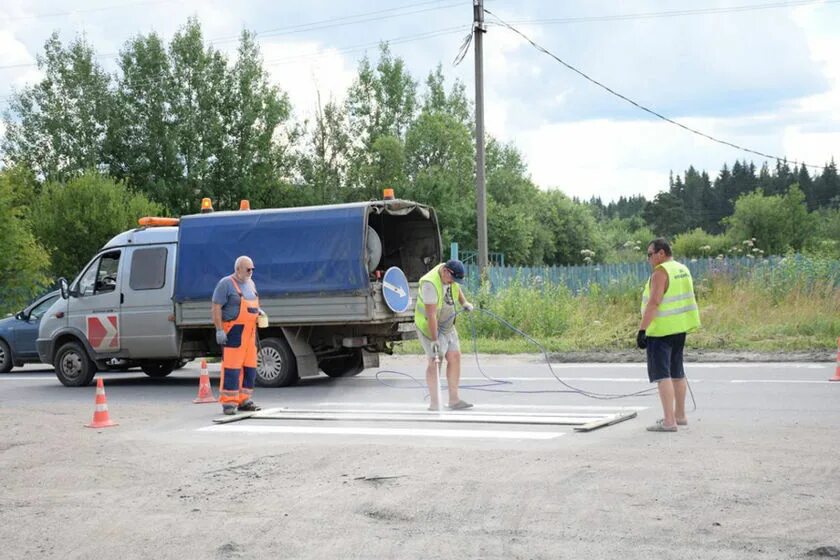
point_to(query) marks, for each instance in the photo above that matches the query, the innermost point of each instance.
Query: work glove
(468, 306)
(221, 337)
(641, 339)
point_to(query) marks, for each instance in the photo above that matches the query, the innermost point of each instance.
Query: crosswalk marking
(391, 432)
(482, 406)
(427, 416)
(825, 381)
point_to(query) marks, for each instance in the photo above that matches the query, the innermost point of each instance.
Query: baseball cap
(456, 267)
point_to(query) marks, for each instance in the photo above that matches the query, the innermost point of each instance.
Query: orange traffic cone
(205, 391)
(837, 369)
(100, 413)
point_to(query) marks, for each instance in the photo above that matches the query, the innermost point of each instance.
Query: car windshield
(38, 311)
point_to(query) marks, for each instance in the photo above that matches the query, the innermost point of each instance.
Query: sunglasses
(250, 269)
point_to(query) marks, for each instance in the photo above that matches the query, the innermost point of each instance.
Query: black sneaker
(228, 410)
(248, 407)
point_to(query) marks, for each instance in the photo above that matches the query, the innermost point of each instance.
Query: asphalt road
(777, 393)
(367, 472)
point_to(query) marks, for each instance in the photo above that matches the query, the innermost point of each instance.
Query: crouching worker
(236, 308)
(434, 317)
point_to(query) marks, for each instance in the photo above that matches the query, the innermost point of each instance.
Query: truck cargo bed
(320, 309)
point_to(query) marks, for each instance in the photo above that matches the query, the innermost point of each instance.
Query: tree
(257, 114)
(142, 146)
(799, 224)
(74, 220)
(381, 102)
(24, 262)
(777, 223)
(665, 214)
(513, 231)
(455, 104)
(385, 168)
(827, 187)
(323, 162)
(58, 127)
(572, 227)
(439, 168)
(187, 125)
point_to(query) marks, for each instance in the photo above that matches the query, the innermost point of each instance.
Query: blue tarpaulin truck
(145, 296)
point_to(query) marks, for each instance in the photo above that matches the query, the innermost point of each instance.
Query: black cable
(494, 382)
(89, 10)
(672, 13)
(312, 26)
(279, 61)
(640, 106)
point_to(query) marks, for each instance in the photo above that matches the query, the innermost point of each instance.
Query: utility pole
(480, 191)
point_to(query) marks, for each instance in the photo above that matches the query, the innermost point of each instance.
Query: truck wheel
(158, 369)
(6, 361)
(276, 364)
(73, 367)
(343, 366)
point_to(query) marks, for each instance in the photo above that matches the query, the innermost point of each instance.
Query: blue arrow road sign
(395, 290)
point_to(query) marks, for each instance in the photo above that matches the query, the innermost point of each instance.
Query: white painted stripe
(563, 377)
(101, 408)
(403, 412)
(688, 365)
(392, 432)
(453, 417)
(537, 379)
(483, 406)
(811, 381)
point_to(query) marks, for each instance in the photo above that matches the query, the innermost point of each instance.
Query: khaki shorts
(449, 342)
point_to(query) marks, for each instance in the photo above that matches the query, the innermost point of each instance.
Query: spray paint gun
(438, 364)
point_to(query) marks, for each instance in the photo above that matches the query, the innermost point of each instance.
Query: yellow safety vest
(678, 311)
(420, 319)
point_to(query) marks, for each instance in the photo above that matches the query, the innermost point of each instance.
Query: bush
(23, 261)
(74, 220)
(697, 244)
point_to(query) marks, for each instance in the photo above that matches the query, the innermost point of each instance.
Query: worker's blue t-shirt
(226, 295)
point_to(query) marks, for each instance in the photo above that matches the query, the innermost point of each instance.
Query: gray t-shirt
(226, 295)
(446, 315)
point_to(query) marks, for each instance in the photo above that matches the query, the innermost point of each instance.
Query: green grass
(788, 312)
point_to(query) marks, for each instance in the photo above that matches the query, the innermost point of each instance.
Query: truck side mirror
(65, 289)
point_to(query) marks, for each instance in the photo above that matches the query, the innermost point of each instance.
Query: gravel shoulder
(731, 486)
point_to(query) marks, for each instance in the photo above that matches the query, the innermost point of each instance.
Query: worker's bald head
(243, 267)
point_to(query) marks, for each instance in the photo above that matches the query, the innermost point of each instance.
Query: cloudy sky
(763, 74)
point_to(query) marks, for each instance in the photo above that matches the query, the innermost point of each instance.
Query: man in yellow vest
(669, 311)
(434, 317)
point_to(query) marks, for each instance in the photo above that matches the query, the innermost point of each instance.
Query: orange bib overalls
(239, 356)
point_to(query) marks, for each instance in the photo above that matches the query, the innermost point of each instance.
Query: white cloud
(765, 79)
(292, 66)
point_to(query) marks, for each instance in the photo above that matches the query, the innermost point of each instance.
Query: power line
(376, 15)
(365, 17)
(324, 52)
(89, 10)
(672, 13)
(363, 46)
(640, 106)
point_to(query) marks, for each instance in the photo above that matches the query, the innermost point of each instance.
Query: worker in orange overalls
(236, 307)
